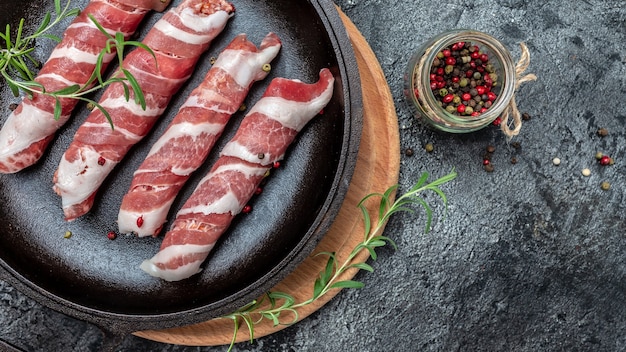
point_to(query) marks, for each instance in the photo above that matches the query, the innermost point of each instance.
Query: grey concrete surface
(530, 257)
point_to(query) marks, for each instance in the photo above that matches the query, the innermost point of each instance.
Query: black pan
(98, 280)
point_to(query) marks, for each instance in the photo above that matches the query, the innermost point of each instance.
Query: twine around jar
(511, 110)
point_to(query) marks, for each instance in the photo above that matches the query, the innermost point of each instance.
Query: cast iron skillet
(97, 280)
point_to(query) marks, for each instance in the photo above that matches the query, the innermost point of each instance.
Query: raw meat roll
(262, 139)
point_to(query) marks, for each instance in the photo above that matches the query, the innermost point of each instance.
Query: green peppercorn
(448, 69)
(443, 92)
(429, 147)
(477, 75)
(469, 110)
(605, 186)
(463, 82)
(451, 109)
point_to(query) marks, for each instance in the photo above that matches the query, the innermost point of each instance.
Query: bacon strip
(262, 139)
(177, 39)
(190, 136)
(29, 129)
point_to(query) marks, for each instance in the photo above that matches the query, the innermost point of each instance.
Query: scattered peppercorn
(516, 145)
(267, 68)
(605, 160)
(491, 149)
(556, 161)
(246, 209)
(258, 191)
(497, 121)
(242, 107)
(586, 172)
(603, 132)
(140, 221)
(111, 235)
(261, 156)
(276, 164)
(605, 186)
(408, 152)
(91, 106)
(489, 167)
(513, 160)
(525, 116)
(599, 155)
(67, 234)
(12, 106)
(429, 147)
(212, 60)
(101, 161)
(486, 162)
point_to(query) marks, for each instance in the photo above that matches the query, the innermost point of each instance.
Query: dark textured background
(531, 257)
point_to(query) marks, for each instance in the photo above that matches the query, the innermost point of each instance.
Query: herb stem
(268, 307)
(14, 54)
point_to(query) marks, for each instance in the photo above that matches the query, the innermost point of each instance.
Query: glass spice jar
(428, 107)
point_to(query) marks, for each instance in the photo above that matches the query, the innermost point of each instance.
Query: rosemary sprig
(275, 305)
(15, 53)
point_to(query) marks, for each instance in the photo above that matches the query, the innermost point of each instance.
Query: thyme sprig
(16, 62)
(274, 306)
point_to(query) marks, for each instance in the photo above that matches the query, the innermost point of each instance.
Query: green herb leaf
(67, 90)
(44, 23)
(14, 89)
(348, 284)
(362, 266)
(57, 109)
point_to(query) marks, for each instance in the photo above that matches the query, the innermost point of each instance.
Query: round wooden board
(376, 170)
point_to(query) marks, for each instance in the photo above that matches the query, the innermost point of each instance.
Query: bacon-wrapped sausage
(262, 139)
